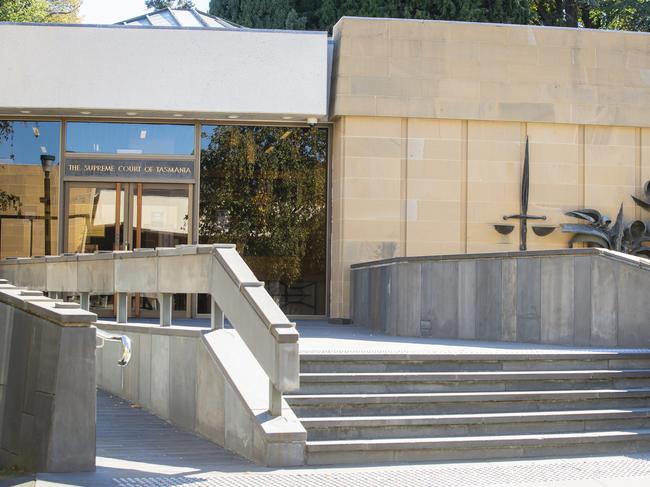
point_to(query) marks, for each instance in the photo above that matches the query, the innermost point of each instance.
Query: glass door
(124, 216)
(95, 217)
(161, 218)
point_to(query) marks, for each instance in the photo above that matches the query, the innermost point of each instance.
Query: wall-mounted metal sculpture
(523, 215)
(599, 231)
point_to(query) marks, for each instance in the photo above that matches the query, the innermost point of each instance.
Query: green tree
(66, 11)
(24, 10)
(264, 189)
(322, 15)
(261, 14)
(158, 4)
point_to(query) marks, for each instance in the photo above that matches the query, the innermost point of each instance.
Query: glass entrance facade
(265, 189)
(134, 185)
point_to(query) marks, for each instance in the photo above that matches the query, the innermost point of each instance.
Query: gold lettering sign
(121, 169)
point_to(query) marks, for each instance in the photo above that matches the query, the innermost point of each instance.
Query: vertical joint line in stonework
(582, 183)
(404, 188)
(638, 170)
(464, 161)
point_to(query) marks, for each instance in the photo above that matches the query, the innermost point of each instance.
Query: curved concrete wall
(587, 297)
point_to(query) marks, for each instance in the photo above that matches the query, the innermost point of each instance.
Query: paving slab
(319, 336)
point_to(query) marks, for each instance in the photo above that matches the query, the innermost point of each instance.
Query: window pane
(129, 138)
(265, 190)
(28, 220)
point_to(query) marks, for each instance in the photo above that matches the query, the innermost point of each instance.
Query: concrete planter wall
(588, 297)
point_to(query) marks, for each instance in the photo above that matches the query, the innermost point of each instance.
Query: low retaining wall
(47, 383)
(588, 297)
(207, 382)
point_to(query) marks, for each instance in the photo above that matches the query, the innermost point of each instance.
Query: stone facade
(430, 123)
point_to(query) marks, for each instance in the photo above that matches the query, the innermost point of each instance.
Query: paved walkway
(135, 448)
(318, 336)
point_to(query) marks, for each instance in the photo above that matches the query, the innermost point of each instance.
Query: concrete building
(417, 149)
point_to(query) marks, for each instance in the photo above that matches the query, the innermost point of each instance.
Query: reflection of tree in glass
(8, 200)
(264, 189)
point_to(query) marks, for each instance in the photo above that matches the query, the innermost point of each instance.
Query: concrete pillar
(84, 300)
(166, 301)
(275, 400)
(216, 315)
(122, 307)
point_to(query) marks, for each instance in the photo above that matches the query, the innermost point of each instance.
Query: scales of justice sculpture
(598, 230)
(523, 215)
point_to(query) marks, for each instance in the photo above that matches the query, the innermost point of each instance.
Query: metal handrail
(125, 351)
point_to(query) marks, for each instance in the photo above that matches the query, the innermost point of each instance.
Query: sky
(111, 11)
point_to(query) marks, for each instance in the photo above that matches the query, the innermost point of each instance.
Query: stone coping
(621, 257)
(184, 249)
(53, 310)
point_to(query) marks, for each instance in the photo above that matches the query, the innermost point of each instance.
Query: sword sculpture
(523, 216)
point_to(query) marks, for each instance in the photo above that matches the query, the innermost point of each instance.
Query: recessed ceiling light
(178, 114)
(233, 116)
(85, 113)
(25, 111)
(131, 113)
(287, 117)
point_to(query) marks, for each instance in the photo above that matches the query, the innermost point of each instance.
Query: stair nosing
(538, 355)
(462, 396)
(499, 375)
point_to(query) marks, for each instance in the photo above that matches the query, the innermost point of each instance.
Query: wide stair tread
(384, 408)
(472, 418)
(474, 441)
(365, 398)
(470, 375)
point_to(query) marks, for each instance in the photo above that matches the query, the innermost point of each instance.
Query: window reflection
(129, 138)
(28, 220)
(265, 190)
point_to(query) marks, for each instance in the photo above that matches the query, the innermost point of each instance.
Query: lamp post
(47, 161)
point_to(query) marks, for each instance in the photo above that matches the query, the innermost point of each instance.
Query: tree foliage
(262, 14)
(158, 4)
(264, 189)
(322, 15)
(61, 11)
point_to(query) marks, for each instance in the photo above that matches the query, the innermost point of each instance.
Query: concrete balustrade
(217, 270)
(207, 382)
(47, 380)
(587, 297)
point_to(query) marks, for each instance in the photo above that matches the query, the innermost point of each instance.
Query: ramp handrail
(217, 270)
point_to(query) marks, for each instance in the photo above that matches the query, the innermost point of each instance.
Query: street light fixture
(47, 161)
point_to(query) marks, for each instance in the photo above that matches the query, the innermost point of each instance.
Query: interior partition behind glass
(264, 188)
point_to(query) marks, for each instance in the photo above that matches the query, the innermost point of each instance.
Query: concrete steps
(476, 447)
(386, 382)
(383, 408)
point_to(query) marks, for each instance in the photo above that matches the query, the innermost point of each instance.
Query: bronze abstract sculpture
(599, 231)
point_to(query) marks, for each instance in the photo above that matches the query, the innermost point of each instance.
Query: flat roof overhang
(163, 73)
